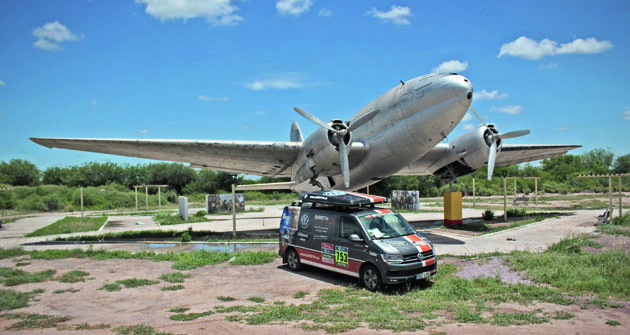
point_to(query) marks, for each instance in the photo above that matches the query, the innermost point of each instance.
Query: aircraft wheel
(371, 278)
(294, 260)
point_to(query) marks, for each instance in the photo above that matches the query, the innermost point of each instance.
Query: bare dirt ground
(149, 305)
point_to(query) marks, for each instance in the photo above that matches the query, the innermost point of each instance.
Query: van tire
(371, 278)
(293, 259)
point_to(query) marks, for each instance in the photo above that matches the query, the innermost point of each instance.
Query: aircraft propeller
(340, 132)
(495, 136)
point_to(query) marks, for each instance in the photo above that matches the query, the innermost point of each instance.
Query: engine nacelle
(322, 158)
(468, 152)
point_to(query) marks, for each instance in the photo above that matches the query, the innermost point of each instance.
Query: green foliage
(175, 277)
(172, 287)
(18, 172)
(613, 322)
(200, 214)
(623, 220)
(33, 321)
(167, 219)
(257, 300)
(567, 266)
(179, 309)
(300, 294)
(622, 164)
(487, 215)
(73, 276)
(254, 258)
(139, 234)
(70, 224)
(190, 316)
(139, 330)
(10, 299)
(225, 298)
(516, 212)
(13, 277)
(127, 283)
(518, 319)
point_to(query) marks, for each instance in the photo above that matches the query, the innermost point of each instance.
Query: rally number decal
(341, 256)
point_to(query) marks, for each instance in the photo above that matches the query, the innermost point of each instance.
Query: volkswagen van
(346, 233)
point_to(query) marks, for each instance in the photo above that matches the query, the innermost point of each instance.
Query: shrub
(200, 214)
(488, 215)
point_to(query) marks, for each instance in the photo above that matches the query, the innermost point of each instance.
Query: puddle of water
(236, 247)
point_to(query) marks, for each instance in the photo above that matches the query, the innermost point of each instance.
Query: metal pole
(136, 188)
(610, 198)
(146, 196)
(234, 210)
(536, 191)
(81, 204)
(159, 198)
(473, 191)
(515, 187)
(505, 199)
(620, 196)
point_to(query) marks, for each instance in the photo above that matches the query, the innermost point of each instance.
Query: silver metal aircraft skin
(399, 133)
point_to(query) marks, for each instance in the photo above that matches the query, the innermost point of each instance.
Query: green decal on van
(341, 255)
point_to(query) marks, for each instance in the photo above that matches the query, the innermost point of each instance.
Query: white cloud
(451, 66)
(202, 97)
(626, 115)
(510, 109)
(279, 82)
(325, 12)
(2, 83)
(143, 131)
(467, 117)
(489, 95)
(396, 15)
(217, 12)
(525, 47)
(293, 7)
(50, 35)
(468, 126)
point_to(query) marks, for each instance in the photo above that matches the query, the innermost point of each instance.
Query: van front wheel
(371, 278)
(294, 260)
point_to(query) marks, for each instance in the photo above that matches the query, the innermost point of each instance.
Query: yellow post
(452, 208)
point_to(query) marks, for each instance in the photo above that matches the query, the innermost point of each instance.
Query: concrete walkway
(533, 237)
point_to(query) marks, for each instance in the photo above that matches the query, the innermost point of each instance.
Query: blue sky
(221, 69)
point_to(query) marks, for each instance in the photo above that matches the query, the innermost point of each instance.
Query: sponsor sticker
(341, 256)
(328, 253)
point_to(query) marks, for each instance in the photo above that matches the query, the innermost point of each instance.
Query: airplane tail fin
(296, 133)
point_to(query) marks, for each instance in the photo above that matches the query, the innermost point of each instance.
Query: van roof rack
(342, 198)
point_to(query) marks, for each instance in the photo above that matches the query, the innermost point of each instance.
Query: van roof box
(341, 198)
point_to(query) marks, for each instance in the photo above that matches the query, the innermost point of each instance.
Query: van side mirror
(355, 238)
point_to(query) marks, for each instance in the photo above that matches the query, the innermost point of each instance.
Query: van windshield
(386, 225)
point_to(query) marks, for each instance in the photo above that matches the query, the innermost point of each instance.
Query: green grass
(189, 316)
(567, 266)
(22, 263)
(74, 276)
(33, 321)
(71, 290)
(407, 308)
(562, 315)
(10, 299)
(13, 277)
(179, 310)
(83, 326)
(175, 277)
(154, 234)
(486, 228)
(257, 300)
(614, 230)
(300, 294)
(127, 283)
(613, 323)
(254, 257)
(518, 319)
(225, 298)
(70, 224)
(173, 287)
(139, 330)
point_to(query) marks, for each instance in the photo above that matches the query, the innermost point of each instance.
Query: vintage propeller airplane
(399, 133)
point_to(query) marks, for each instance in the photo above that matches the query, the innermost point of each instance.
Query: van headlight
(387, 258)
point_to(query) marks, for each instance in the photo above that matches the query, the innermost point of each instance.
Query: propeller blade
(513, 134)
(477, 115)
(314, 119)
(363, 119)
(345, 165)
(492, 156)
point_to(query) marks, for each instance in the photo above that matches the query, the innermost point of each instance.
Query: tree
(622, 164)
(19, 172)
(174, 175)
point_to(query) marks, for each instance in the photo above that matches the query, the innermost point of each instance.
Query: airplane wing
(521, 153)
(273, 159)
(510, 154)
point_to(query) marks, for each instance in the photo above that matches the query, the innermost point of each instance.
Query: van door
(349, 255)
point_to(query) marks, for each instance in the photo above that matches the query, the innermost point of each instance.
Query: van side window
(348, 226)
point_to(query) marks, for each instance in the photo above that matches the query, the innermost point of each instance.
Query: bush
(488, 215)
(621, 220)
(512, 212)
(200, 214)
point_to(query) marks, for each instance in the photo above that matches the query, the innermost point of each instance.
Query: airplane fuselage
(407, 122)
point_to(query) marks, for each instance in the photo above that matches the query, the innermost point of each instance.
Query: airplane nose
(460, 85)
